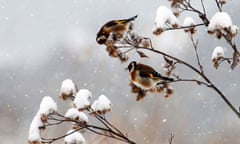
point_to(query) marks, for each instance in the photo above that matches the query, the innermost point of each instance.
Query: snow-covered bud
(34, 136)
(164, 17)
(101, 105)
(217, 53)
(220, 20)
(82, 98)
(189, 22)
(217, 56)
(234, 30)
(68, 89)
(74, 114)
(47, 106)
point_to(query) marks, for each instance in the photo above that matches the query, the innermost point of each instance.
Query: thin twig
(218, 5)
(108, 130)
(170, 140)
(204, 10)
(51, 140)
(195, 45)
(184, 27)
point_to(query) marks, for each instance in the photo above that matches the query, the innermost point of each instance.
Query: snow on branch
(77, 116)
(47, 107)
(74, 137)
(34, 136)
(220, 25)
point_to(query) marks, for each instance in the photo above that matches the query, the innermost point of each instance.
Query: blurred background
(44, 42)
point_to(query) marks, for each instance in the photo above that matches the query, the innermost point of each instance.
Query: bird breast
(142, 82)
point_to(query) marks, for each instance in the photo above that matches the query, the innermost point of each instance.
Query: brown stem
(195, 44)
(108, 130)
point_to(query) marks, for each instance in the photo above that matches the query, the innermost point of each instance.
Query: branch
(195, 44)
(184, 27)
(218, 5)
(109, 130)
(211, 84)
(202, 15)
(171, 138)
(194, 69)
(51, 140)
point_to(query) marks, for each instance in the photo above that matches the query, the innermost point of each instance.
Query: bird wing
(146, 71)
(123, 21)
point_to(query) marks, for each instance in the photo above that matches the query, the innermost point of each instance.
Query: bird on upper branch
(116, 28)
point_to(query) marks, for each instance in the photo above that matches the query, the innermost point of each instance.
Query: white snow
(218, 52)
(164, 16)
(102, 104)
(74, 138)
(74, 114)
(188, 21)
(219, 21)
(82, 98)
(47, 106)
(34, 131)
(234, 29)
(68, 88)
(164, 120)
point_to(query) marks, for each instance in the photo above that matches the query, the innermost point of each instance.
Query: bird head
(132, 66)
(102, 36)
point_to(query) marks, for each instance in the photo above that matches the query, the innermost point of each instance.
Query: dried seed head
(175, 25)
(123, 57)
(112, 51)
(160, 89)
(166, 95)
(141, 94)
(215, 63)
(169, 91)
(44, 118)
(158, 31)
(218, 34)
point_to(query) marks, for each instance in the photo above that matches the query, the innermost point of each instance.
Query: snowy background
(44, 42)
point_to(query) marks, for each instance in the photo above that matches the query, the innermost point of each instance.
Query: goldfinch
(144, 76)
(115, 27)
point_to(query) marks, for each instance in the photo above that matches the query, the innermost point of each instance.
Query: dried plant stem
(107, 129)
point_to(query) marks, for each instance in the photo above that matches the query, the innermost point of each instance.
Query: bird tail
(123, 21)
(167, 78)
(156, 74)
(132, 18)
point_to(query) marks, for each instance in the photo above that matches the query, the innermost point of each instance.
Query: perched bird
(115, 27)
(144, 76)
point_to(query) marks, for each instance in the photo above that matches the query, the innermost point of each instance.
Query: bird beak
(101, 39)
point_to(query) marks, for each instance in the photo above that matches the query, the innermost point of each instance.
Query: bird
(144, 76)
(115, 27)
